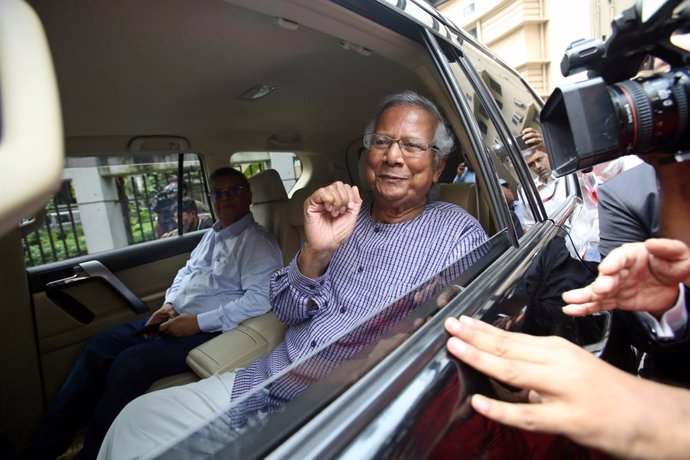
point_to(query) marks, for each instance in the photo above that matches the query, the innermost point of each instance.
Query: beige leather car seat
(295, 229)
(467, 196)
(270, 206)
(230, 350)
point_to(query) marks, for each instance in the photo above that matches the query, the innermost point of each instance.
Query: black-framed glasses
(410, 146)
(232, 192)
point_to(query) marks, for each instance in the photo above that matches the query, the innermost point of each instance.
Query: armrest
(239, 347)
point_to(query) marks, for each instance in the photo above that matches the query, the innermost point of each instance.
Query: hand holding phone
(152, 328)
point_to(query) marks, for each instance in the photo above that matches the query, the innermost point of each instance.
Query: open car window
(110, 202)
(262, 417)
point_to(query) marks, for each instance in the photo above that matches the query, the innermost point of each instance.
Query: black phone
(152, 328)
(521, 143)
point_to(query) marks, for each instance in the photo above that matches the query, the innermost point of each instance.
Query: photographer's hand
(634, 277)
(573, 393)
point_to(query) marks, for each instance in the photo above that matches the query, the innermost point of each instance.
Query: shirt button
(311, 305)
(313, 343)
(311, 286)
(376, 229)
(343, 309)
(321, 282)
(360, 269)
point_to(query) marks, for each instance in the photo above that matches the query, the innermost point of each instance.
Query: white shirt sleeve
(673, 322)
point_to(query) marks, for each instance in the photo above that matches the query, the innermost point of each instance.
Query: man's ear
(439, 169)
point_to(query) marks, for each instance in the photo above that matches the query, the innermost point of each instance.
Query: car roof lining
(193, 78)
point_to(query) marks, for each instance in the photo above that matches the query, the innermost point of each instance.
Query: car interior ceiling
(325, 90)
(329, 74)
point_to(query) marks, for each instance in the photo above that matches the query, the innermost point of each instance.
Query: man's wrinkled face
(397, 179)
(538, 163)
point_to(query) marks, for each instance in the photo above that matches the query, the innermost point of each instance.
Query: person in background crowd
(165, 207)
(464, 174)
(191, 220)
(553, 192)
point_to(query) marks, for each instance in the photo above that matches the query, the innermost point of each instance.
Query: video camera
(164, 206)
(164, 201)
(611, 113)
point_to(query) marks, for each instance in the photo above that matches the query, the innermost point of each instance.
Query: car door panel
(72, 304)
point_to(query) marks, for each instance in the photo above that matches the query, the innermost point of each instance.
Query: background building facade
(532, 35)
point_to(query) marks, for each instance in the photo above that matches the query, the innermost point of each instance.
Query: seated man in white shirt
(225, 281)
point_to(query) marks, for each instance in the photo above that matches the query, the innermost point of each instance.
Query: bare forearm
(662, 425)
(313, 264)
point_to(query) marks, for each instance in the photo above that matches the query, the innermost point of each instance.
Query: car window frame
(503, 131)
(440, 52)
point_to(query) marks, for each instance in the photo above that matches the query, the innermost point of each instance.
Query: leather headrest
(267, 187)
(363, 184)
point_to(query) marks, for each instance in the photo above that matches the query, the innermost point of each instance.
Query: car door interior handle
(94, 269)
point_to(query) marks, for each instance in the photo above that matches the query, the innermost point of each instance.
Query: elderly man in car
(359, 255)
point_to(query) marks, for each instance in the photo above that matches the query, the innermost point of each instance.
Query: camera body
(609, 114)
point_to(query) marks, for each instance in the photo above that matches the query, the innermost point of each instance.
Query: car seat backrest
(267, 187)
(466, 196)
(269, 203)
(363, 183)
(296, 220)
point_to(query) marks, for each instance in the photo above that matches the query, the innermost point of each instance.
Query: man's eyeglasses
(410, 146)
(232, 192)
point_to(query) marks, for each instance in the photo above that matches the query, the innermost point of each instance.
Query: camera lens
(652, 112)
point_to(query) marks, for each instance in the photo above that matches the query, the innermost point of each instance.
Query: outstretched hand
(634, 277)
(330, 214)
(573, 393)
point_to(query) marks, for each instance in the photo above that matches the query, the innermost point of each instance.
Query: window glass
(502, 161)
(520, 109)
(109, 202)
(287, 164)
(253, 420)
